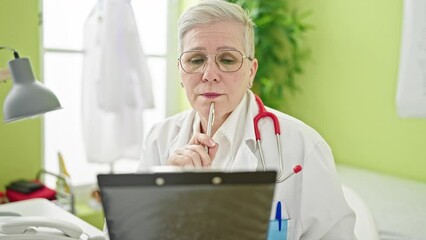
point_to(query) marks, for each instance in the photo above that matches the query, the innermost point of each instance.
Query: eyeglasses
(226, 60)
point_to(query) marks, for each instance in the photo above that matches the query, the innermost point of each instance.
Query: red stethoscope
(262, 114)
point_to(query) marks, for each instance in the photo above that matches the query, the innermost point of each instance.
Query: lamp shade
(28, 97)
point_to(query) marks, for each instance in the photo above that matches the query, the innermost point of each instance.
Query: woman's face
(226, 89)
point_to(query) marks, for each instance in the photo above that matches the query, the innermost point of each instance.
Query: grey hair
(213, 11)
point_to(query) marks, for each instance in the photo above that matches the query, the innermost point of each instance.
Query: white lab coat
(116, 83)
(313, 199)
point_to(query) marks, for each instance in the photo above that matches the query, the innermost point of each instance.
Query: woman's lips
(210, 95)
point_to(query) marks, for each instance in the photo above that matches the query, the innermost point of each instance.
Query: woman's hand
(194, 153)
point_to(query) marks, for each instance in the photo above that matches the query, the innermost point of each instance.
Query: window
(63, 22)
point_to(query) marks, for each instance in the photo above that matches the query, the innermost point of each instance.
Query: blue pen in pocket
(278, 226)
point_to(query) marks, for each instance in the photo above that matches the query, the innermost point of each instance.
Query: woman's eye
(196, 61)
(227, 61)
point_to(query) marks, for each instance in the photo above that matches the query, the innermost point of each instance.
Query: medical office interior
(353, 90)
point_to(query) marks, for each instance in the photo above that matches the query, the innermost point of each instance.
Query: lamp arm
(15, 53)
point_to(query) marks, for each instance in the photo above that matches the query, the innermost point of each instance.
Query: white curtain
(116, 83)
(411, 92)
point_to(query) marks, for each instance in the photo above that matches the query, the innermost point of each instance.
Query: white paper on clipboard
(411, 91)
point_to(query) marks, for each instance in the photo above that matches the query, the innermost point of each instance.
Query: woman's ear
(253, 71)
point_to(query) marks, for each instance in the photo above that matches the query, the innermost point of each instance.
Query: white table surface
(45, 208)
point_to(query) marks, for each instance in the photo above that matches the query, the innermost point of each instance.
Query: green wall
(349, 87)
(20, 142)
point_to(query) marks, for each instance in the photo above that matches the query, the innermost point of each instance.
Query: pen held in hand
(210, 122)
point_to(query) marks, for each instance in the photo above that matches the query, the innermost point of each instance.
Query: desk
(45, 208)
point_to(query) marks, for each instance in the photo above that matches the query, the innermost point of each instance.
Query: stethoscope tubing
(262, 114)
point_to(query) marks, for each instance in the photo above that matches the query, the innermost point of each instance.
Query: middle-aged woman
(217, 65)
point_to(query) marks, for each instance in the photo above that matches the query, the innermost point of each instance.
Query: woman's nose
(211, 71)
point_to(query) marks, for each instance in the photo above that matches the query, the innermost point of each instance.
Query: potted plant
(279, 36)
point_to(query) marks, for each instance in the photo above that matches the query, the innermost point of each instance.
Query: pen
(210, 122)
(278, 215)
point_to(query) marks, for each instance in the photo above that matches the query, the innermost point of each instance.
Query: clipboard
(188, 205)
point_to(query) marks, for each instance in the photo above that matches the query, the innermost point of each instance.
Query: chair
(365, 227)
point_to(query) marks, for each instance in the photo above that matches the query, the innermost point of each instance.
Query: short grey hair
(213, 11)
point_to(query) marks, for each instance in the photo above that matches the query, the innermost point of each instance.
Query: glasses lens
(229, 60)
(192, 62)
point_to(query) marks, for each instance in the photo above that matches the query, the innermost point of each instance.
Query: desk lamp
(28, 97)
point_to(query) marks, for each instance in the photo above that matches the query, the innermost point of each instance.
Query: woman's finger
(202, 139)
(203, 157)
(189, 155)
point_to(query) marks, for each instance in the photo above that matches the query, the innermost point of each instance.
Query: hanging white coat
(116, 83)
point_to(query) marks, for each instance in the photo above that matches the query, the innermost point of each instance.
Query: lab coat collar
(230, 128)
(184, 130)
(246, 159)
(252, 110)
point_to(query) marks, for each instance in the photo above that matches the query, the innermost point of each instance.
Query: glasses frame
(215, 60)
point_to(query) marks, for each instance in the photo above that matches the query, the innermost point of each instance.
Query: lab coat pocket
(285, 233)
(277, 229)
(280, 226)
